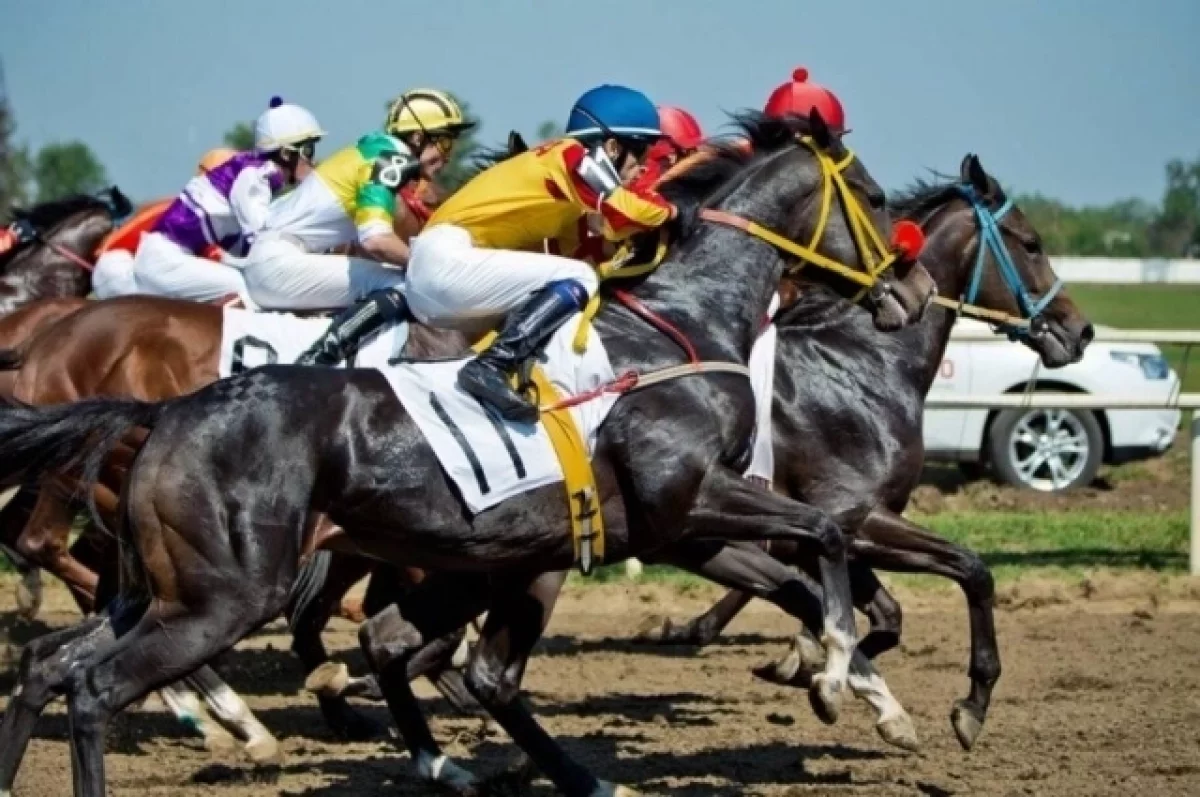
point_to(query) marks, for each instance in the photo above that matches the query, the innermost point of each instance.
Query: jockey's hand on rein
(683, 223)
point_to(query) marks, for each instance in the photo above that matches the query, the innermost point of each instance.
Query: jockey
(682, 135)
(113, 274)
(223, 208)
(480, 258)
(351, 198)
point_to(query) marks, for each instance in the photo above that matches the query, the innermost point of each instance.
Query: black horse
(68, 232)
(848, 412)
(214, 526)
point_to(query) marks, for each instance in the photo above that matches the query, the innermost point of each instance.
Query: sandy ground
(1100, 695)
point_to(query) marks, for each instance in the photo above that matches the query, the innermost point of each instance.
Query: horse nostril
(1087, 333)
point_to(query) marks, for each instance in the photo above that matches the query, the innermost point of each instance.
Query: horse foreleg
(749, 568)
(394, 636)
(519, 613)
(729, 507)
(889, 542)
(46, 662)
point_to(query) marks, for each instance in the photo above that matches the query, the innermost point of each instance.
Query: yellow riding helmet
(426, 110)
(214, 158)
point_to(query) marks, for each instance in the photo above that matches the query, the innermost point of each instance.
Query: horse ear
(820, 130)
(974, 175)
(516, 143)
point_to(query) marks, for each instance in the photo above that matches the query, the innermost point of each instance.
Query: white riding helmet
(285, 125)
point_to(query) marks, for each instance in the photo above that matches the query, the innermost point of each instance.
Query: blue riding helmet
(616, 111)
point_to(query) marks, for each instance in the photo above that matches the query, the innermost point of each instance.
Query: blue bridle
(990, 239)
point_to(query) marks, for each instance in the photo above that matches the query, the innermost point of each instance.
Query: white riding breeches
(762, 382)
(164, 268)
(282, 275)
(113, 275)
(453, 283)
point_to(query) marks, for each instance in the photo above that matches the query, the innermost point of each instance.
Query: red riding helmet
(800, 97)
(680, 127)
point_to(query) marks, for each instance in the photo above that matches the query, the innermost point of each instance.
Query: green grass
(1147, 307)
(1014, 544)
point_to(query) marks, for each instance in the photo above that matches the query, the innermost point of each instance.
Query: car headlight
(1154, 366)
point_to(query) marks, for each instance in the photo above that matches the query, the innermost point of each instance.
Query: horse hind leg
(13, 518)
(46, 663)
(160, 649)
(45, 540)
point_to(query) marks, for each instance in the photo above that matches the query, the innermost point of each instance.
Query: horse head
(795, 178)
(993, 258)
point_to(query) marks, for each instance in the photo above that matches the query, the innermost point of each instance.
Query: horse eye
(1033, 247)
(877, 199)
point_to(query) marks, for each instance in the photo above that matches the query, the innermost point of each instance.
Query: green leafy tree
(14, 160)
(549, 130)
(240, 137)
(66, 168)
(1176, 231)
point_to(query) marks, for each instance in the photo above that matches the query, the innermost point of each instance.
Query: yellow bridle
(875, 254)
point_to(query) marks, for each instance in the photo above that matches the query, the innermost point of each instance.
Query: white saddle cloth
(489, 459)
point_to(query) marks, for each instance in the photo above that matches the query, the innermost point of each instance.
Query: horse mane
(761, 136)
(922, 196)
(48, 214)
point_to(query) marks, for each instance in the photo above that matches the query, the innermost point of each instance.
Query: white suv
(1049, 450)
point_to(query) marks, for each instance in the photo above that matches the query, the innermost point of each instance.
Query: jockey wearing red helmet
(800, 97)
(682, 136)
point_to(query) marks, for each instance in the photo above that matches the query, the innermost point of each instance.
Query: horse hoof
(29, 595)
(446, 773)
(606, 789)
(967, 726)
(219, 742)
(784, 673)
(825, 695)
(328, 680)
(263, 751)
(900, 732)
(653, 631)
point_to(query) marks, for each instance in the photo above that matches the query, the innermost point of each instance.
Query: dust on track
(1100, 695)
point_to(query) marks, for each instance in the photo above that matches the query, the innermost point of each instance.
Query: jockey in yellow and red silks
(482, 257)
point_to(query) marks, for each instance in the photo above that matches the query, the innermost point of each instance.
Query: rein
(65, 253)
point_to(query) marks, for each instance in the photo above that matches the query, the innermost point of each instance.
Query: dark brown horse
(54, 263)
(660, 484)
(863, 468)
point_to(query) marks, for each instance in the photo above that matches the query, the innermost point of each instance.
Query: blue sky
(1080, 99)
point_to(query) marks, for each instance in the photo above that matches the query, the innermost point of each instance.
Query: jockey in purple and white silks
(220, 211)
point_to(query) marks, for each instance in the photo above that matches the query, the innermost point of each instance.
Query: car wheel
(1044, 449)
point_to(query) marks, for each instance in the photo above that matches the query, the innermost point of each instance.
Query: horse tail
(310, 583)
(67, 437)
(11, 359)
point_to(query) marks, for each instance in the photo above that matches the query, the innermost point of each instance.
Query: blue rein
(991, 240)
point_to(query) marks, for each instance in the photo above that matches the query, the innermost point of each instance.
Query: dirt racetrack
(1100, 695)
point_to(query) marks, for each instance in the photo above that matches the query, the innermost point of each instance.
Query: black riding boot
(352, 325)
(525, 331)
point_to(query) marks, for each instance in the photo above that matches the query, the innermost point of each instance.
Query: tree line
(1129, 228)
